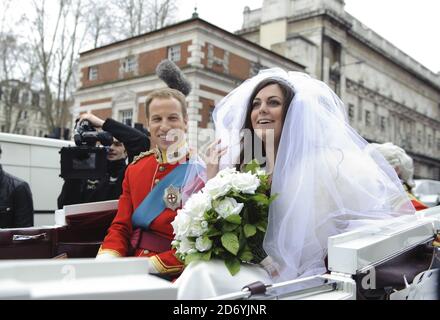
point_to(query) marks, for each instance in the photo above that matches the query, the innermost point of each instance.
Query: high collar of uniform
(172, 156)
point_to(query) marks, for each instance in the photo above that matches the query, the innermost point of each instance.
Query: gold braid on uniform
(143, 155)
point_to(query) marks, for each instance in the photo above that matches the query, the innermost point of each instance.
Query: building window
(24, 115)
(93, 73)
(174, 53)
(3, 128)
(367, 118)
(126, 117)
(430, 141)
(14, 95)
(1, 93)
(419, 136)
(35, 100)
(129, 64)
(351, 112)
(25, 98)
(438, 144)
(383, 121)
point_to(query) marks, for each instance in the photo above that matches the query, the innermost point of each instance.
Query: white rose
(218, 186)
(181, 224)
(245, 183)
(203, 244)
(198, 228)
(226, 172)
(185, 246)
(228, 207)
(198, 204)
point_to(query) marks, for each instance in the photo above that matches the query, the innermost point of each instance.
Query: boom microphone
(171, 74)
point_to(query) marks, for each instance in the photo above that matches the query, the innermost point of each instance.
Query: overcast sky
(413, 26)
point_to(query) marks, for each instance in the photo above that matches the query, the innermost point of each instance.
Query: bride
(326, 179)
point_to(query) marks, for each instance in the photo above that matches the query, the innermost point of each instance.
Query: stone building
(115, 79)
(389, 96)
(21, 109)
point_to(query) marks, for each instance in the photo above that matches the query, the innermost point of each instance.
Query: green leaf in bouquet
(262, 226)
(264, 183)
(234, 218)
(249, 230)
(238, 196)
(218, 251)
(228, 227)
(230, 242)
(252, 167)
(264, 179)
(273, 198)
(213, 232)
(206, 256)
(246, 255)
(233, 265)
(210, 215)
(193, 257)
(261, 199)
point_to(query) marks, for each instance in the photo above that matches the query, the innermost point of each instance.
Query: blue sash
(153, 205)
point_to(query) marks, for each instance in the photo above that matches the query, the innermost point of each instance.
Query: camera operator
(127, 143)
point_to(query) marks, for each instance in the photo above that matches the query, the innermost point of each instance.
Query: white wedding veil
(327, 180)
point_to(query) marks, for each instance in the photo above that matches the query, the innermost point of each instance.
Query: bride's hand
(212, 156)
(271, 267)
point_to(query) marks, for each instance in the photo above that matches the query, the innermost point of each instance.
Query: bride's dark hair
(288, 95)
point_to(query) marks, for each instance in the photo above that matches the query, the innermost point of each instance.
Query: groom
(152, 189)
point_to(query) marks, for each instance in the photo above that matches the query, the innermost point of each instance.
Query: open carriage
(393, 260)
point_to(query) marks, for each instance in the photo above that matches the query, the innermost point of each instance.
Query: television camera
(88, 159)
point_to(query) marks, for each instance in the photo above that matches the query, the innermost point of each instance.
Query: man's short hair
(166, 93)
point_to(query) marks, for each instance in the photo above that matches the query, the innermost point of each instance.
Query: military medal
(172, 197)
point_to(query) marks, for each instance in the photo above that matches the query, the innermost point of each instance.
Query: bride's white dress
(203, 280)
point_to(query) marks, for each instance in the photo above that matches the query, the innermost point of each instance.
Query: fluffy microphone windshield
(173, 76)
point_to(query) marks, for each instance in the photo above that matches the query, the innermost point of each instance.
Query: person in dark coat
(127, 143)
(16, 205)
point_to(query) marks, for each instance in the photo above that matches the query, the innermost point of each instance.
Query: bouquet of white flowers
(226, 220)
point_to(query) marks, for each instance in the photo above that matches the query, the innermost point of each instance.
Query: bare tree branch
(57, 57)
(136, 17)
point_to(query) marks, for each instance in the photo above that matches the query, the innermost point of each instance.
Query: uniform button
(161, 169)
(156, 181)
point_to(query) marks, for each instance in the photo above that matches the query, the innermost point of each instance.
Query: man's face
(116, 151)
(165, 115)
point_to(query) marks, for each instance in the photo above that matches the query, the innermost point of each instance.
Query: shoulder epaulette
(143, 155)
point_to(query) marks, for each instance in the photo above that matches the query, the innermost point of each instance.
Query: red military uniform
(140, 178)
(418, 205)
